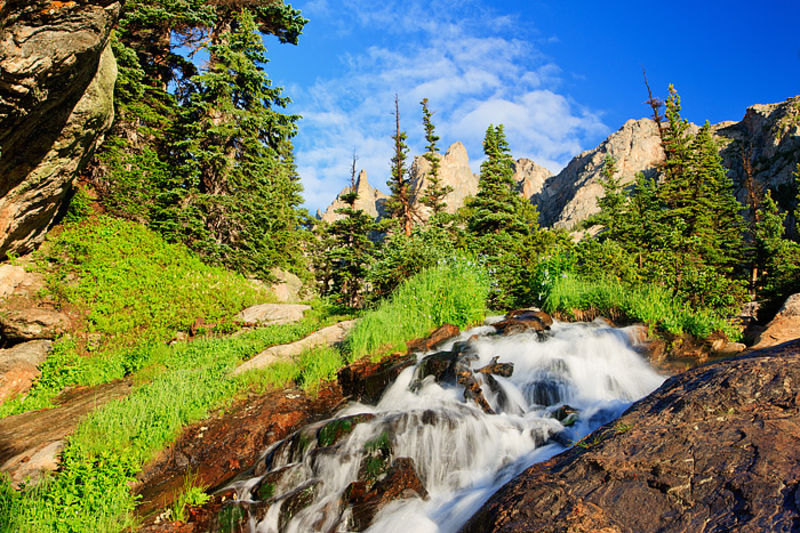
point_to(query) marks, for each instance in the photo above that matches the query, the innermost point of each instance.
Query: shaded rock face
(571, 196)
(769, 135)
(784, 327)
(57, 75)
(718, 445)
(370, 200)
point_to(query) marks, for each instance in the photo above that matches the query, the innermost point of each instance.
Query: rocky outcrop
(769, 136)
(571, 196)
(57, 75)
(30, 442)
(273, 314)
(530, 177)
(19, 366)
(718, 445)
(784, 327)
(324, 337)
(370, 200)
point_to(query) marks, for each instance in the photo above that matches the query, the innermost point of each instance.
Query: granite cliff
(57, 75)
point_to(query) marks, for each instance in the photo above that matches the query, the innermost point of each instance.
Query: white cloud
(474, 66)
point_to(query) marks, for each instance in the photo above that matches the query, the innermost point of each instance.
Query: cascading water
(564, 385)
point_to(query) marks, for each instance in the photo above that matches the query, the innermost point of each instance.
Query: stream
(427, 456)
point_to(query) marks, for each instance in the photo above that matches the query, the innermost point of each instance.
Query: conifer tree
(498, 208)
(236, 151)
(350, 251)
(399, 205)
(613, 203)
(435, 193)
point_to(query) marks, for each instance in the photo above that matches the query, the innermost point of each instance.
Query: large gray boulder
(57, 75)
(19, 367)
(273, 314)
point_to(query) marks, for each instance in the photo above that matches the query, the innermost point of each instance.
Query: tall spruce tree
(436, 192)
(502, 225)
(400, 204)
(235, 149)
(350, 250)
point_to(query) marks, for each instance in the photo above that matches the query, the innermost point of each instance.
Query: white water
(463, 455)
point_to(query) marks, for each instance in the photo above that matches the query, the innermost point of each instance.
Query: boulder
(714, 445)
(287, 287)
(513, 326)
(441, 334)
(324, 337)
(273, 314)
(11, 277)
(365, 381)
(784, 327)
(57, 75)
(21, 324)
(19, 367)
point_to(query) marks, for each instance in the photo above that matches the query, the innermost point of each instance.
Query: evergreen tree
(399, 205)
(613, 204)
(350, 250)
(436, 192)
(502, 225)
(235, 150)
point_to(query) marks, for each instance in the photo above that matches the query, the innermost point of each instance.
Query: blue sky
(561, 74)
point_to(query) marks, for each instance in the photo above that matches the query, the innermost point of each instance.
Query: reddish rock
(719, 444)
(440, 335)
(32, 323)
(365, 381)
(784, 327)
(401, 482)
(513, 326)
(219, 448)
(531, 314)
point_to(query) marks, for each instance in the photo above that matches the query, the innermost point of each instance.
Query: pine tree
(498, 208)
(350, 251)
(235, 149)
(435, 193)
(399, 205)
(613, 203)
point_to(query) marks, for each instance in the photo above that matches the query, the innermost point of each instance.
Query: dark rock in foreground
(716, 448)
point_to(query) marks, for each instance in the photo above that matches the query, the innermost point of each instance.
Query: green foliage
(101, 459)
(650, 304)
(190, 495)
(135, 287)
(502, 226)
(318, 365)
(435, 192)
(400, 257)
(399, 204)
(80, 206)
(454, 292)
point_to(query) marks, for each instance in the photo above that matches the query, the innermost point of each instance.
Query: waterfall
(565, 383)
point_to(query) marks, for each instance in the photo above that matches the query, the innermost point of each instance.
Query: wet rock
(441, 366)
(273, 314)
(19, 367)
(440, 335)
(325, 337)
(531, 314)
(334, 430)
(717, 445)
(784, 327)
(566, 415)
(32, 440)
(296, 501)
(498, 369)
(400, 482)
(365, 381)
(21, 324)
(514, 326)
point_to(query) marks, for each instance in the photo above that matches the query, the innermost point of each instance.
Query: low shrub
(453, 292)
(650, 304)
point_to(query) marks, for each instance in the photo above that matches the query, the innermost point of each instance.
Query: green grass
(190, 495)
(649, 304)
(101, 459)
(452, 293)
(134, 287)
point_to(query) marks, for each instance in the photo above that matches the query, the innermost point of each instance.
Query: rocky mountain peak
(370, 200)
